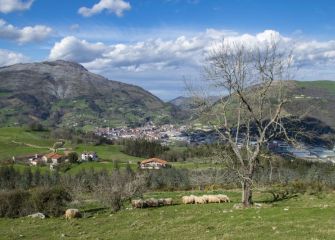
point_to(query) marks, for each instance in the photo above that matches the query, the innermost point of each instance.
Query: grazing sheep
(213, 199)
(167, 201)
(152, 202)
(199, 200)
(72, 213)
(223, 198)
(188, 199)
(137, 203)
(161, 202)
(206, 197)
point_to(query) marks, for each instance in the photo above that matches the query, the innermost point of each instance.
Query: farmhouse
(53, 158)
(153, 163)
(35, 159)
(89, 156)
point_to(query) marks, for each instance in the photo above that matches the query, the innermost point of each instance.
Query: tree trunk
(247, 193)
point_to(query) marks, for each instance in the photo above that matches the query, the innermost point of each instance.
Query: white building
(89, 156)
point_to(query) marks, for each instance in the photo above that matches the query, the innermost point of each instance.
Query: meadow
(20, 142)
(304, 216)
(301, 217)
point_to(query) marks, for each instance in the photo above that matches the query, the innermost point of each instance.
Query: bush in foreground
(18, 203)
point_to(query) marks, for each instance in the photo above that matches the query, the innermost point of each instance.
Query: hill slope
(65, 93)
(310, 110)
(314, 99)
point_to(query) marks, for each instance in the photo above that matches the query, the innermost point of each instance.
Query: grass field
(107, 152)
(324, 84)
(303, 217)
(13, 142)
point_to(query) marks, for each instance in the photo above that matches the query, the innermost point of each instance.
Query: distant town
(198, 134)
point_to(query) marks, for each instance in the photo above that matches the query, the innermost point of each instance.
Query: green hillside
(322, 84)
(302, 217)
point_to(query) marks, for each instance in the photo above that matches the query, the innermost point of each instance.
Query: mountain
(189, 103)
(309, 113)
(66, 94)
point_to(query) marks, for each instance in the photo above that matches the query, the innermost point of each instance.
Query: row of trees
(142, 148)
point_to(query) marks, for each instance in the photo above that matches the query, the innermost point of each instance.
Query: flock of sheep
(151, 202)
(219, 198)
(192, 199)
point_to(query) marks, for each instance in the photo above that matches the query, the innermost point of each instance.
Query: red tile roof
(154, 160)
(53, 155)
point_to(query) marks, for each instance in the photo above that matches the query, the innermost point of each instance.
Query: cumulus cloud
(183, 56)
(24, 35)
(114, 6)
(10, 58)
(7, 6)
(152, 53)
(74, 49)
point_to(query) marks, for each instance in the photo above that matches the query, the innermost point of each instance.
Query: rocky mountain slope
(66, 94)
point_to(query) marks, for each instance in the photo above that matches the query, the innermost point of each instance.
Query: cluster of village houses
(54, 159)
(166, 134)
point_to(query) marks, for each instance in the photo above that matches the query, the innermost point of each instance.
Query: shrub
(73, 157)
(112, 190)
(35, 126)
(15, 203)
(18, 203)
(168, 179)
(50, 201)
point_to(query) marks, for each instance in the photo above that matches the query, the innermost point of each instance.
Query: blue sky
(157, 43)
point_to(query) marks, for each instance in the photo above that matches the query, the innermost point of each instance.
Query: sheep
(152, 202)
(167, 201)
(188, 199)
(199, 200)
(223, 198)
(137, 203)
(72, 213)
(213, 199)
(161, 202)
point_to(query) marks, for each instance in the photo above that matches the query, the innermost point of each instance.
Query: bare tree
(250, 79)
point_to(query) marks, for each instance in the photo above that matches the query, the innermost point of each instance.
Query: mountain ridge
(65, 93)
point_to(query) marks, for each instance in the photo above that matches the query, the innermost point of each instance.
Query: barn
(153, 163)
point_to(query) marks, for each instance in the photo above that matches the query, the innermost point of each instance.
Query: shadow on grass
(91, 212)
(279, 196)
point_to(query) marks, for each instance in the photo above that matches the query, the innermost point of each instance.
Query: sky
(157, 44)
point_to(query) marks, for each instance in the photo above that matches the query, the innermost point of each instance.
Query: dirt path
(30, 145)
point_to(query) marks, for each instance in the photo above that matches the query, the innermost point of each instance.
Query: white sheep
(199, 200)
(72, 213)
(223, 198)
(167, 201)
(212, 199)
(188, 199)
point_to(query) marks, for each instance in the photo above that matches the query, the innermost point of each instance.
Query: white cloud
(151, 53)
(24, 35)
(153, 59)
(74, 49)
(7, 6)
(10, 58)
(113, 6)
